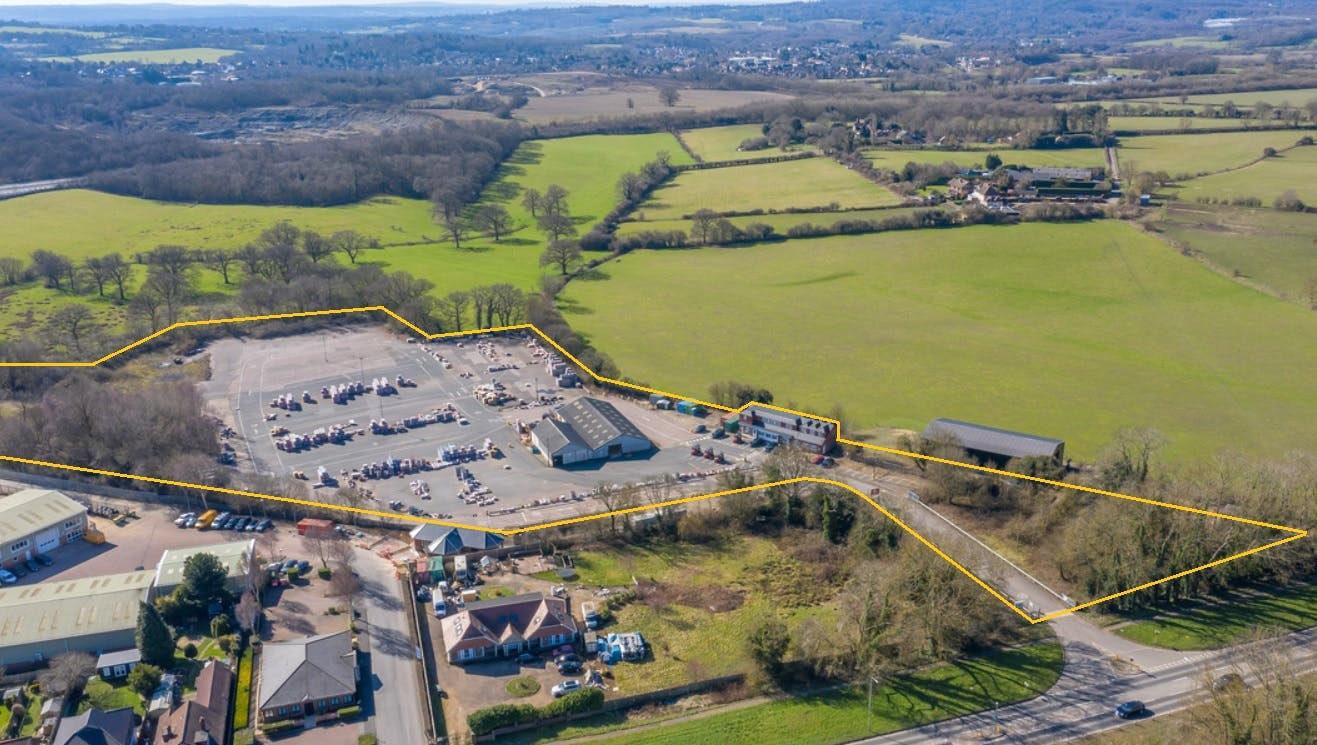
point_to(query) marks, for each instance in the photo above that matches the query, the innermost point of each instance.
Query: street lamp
(868, 726)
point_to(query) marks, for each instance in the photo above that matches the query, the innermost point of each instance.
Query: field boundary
(1292, 533)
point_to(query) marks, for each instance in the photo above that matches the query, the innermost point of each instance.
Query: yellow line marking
(1295, 533)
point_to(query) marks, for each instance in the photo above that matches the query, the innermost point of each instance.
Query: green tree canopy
(154, 639)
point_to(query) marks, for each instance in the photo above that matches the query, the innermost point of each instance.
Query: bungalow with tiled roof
(506, 627)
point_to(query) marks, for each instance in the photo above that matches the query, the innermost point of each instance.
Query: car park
(7, 577)
(44, 560)
(565, 687)
(1131, 709)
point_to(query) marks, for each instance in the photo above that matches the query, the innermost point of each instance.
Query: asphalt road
(1083, 701)
(32, 187)
(397, 717)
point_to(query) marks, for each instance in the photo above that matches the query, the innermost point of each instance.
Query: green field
(24, 30)
(1208, 42)
(896, 159)
(1292, 169)
(1291, 96)
(781, 221)
(1177, 124)
(1072, 331)
(1217, 626)
(1187, 155)
(719, 143)
(813, 182)
(90, 223)
(1267, 248)
(912, 40)
(154, 56)
(938, 693)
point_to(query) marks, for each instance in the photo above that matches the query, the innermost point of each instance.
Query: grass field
(17, 30)
(1072, 331)
(154, 56)
(719, 143)
(1267, 180)
(606, 102)
(1077, 157)
(814, 182)
(781, 221)
(939, 693)
(1208, 42)
(1266, 247)
(1177, 124)
(90, 223)
(1217, 626)
(1186, 155)
(1290, 96)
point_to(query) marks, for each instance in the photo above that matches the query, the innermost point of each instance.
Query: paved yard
(339, 733)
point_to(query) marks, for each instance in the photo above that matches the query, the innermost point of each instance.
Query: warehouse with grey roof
(586, 429)
(37, 521)
(992, 444)
(94, 615)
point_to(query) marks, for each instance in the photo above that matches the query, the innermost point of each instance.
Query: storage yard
(438, 429)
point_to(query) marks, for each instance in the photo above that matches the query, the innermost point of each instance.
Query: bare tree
(247, 612)
(96, 270)
(533, 201)
(457, 228)
(562, 254)
(67, 673)
(120, 272)
(51, 267)
(669, 95)
(71, 323)
(554, 201)
(170, 259)
(494, 220)
(221, 260)
(11, 269)
(452, 309)
(350, 242)
(344, 583)
(318, 545)
(556, 227)
(316, 246)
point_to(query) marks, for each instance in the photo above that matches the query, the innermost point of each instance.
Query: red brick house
(506, 627)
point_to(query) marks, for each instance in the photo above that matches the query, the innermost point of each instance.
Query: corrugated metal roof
(234, 556)
(31, 511)
(993, 440)
(555, 437)
(597, 422)
(73, 608)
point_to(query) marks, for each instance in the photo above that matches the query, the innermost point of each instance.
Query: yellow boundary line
(1294, 533)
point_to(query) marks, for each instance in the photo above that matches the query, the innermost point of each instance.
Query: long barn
(584, 430)
(992, 444)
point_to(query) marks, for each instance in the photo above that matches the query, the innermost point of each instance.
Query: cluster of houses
(1000, 188)
(309, 677)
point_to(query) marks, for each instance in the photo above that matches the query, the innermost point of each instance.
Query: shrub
(220, 625)
(484, 721)
(1290, 202)
(348, 712)
(293, 574)
(190, 651)
(274, 728)
(576, 702)
(324, 572)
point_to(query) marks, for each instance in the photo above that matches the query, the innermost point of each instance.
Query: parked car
(32, 566)
(567, 657)
(290, 564)
(569, 668)
(44, 560)
(700, 429)
(304, 567)
(565, 687)
(191, 522)
(265, 525)
(182, 519)
(526, 658)
(718, 434)
(7, 577)
(1131, 709)
(252, 526)
(423, 594)
(18, 571)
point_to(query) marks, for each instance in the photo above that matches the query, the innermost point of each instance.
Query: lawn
(803, 184)
(719, 143)
(895, 159)
(90, 223)
(1217, 626)
(1266, 247)
(242, 700)
(157, 56)
(1066, 330)
(781, 221)
(1284, 96)
(31, 717)
(935, 694)
(103, 695)
(1266, 180)
(1186, 155)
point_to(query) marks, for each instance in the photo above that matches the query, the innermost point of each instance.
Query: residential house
(307, 677)
(506, 627)
(204, 718)
(96, 727)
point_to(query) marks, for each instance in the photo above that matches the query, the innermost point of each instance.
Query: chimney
(202, 724)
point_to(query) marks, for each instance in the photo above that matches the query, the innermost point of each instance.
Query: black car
(569, 657)
(1131, 709)
(44, 560)
(569, 668)
(32, 566)
(18, 571)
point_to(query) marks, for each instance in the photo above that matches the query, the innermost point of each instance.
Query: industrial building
(93, 615)
(236, 558)
(37, 521)
(989, 444)
(584, 430)
(442, 540)
(778, 426)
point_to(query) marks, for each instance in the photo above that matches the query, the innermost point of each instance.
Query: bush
(484, 721)
(293, 574)
(144, 679)
(1290, 202)
(220, 626)
(366, 739)
(523, 686)
(576, 702)
(275, 728)
(324, 572)
(190, 651)
(348, 712)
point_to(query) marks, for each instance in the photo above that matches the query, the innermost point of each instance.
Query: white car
(7, 577)
(566, 687)
(183, 518)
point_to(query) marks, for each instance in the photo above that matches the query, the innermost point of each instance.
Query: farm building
(442, 540)
(93, 614)
(307, 677)
(37, 521)
(758, 421)
(203, 719)
(236, 558)
(506, 627)
(992, 444)
(584, 430)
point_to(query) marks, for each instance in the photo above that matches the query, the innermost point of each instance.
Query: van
(206, 519)
(460, 571)
(440, 606)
